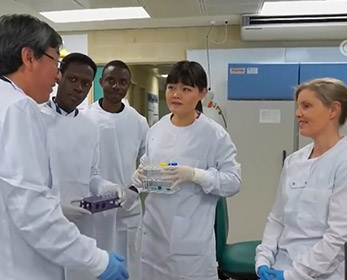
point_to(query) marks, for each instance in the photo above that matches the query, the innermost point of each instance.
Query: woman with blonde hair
(307, 227)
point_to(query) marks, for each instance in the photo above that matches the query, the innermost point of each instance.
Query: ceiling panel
(94, 4)
(11, 7)
(56, 5)
(164, 13)
(237, 8)
(225, 7)
(296, 0)
(174, 9)
(49, 5)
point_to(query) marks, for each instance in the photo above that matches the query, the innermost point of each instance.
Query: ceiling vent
(302, 27)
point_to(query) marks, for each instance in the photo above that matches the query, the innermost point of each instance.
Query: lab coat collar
(99, 107)
(12, 83)
(60, 111)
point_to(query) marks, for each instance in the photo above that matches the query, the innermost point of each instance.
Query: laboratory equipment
(153, 181)
(261, 121)
(99, 203)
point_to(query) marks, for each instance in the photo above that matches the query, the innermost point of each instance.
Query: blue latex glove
(276, 274)
(263, 272)
(115, 269)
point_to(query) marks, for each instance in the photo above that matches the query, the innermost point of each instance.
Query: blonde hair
(327, 90)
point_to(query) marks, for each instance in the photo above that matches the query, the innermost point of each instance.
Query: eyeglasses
(59, 63)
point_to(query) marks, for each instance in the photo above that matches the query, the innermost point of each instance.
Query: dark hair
(116, 63)
(79, 58)
(198, 106)
(19, 31)
(189, 73)
(327, 90)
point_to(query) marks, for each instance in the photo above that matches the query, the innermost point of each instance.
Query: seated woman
(307, 227)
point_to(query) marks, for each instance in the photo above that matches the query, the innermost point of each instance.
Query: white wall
(76, 43)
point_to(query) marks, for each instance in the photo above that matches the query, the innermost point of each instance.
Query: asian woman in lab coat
(307, 226)
(178, 237)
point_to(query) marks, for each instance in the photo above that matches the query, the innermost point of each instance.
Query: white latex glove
(113, 190)
(74, 213)
(131, 197)
(178, 174)
(138, 176)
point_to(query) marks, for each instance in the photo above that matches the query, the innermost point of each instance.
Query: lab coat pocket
(313, 208)
(190, 236)
(299, 175)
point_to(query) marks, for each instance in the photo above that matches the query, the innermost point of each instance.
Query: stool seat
(234, 260)
(238, 258)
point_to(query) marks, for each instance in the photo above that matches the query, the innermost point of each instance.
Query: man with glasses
(37, 241)
(58, 62)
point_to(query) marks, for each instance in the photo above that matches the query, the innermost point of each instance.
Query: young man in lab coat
(122, 141)
(77, 147)
(37, 241)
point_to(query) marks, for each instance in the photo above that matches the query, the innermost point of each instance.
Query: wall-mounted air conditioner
(305, 27)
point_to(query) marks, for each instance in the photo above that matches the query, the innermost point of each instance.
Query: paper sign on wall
(153, 108)
(269, 116)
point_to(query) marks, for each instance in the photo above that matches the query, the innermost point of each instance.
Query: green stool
(234, 260)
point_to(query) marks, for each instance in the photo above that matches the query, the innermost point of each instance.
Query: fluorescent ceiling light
(85, 15)
(304, 7)
(164, 75)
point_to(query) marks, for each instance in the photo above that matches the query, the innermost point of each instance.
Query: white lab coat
(122, 140)
(37, 241)
(307, 226)
(77, 147)
(178, 240)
